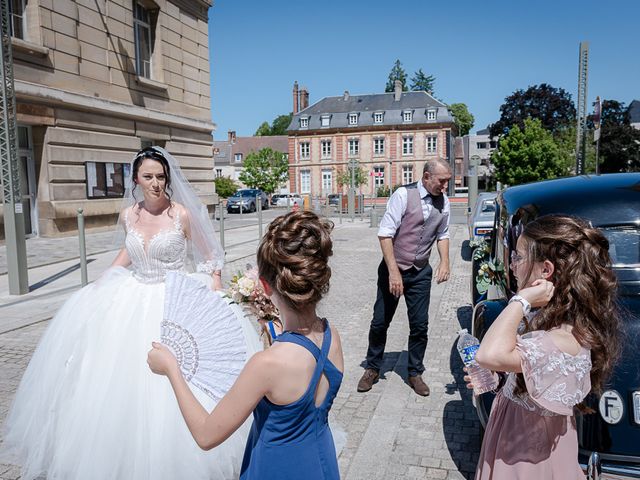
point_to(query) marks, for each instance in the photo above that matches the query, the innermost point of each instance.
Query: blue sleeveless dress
(294, 441)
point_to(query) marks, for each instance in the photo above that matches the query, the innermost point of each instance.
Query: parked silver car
(245, 199)
(481, 217)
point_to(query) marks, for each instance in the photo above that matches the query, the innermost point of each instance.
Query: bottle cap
(464, 330)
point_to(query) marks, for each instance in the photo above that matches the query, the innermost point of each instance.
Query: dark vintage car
(609, 439)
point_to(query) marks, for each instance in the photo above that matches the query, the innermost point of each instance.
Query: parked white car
(481, 217)
(290, 199)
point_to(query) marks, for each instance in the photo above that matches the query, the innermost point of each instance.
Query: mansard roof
(365, 106)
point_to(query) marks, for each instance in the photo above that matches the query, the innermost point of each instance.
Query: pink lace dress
(533, 436)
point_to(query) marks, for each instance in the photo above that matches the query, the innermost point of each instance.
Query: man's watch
(526, 306)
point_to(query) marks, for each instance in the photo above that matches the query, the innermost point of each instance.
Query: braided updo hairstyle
(585, 288)
(293, 257)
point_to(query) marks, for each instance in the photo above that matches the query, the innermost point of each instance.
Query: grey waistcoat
(415, 237)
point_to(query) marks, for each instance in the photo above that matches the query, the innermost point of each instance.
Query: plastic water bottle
(482, 379)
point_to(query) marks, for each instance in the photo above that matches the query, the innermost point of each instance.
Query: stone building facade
(389, 135)
(96, 80)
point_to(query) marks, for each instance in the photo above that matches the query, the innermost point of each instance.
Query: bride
(87, 406)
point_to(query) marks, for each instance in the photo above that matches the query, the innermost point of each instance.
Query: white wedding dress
(89, 408)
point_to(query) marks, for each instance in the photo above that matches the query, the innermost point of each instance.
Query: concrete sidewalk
(392, 432)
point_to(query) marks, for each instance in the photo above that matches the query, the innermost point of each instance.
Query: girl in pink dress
(552, 359)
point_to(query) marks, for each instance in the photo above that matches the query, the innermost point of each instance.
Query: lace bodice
(165, 251)
(556, 381)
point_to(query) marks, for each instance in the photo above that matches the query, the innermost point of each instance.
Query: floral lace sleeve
(555, 380)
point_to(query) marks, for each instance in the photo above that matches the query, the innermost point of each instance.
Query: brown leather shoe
(419, 386)
(369, 377)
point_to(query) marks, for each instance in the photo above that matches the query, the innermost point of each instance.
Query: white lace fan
(204, 334)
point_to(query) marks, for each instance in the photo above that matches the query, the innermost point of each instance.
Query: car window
(488, 206)
(624, 245)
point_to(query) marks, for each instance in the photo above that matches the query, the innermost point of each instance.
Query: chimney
(397, 91)
(295, 97)
(231, 136)
(304, 98)
(346, 95)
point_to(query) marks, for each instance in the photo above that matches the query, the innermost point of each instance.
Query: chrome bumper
(595, 470)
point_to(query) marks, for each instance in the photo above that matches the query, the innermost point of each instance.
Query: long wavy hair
(585, 293)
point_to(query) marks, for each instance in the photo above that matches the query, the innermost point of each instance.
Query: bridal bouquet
(245, 289)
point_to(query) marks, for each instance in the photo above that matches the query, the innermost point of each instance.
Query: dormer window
(353, 119)
(304, 122)
(407, 116)
(378, 117)
(325, 120)
(237, 157)
(431, 114)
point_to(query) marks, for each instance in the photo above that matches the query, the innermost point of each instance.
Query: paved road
(392, 432)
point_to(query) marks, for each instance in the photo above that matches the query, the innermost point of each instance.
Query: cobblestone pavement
(392, 433)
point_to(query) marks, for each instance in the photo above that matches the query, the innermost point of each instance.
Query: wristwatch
(526, 306)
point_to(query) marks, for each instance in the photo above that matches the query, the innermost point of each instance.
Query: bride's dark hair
(585, 288)
(153, 154)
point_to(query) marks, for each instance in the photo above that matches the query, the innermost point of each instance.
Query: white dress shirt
(397, 206)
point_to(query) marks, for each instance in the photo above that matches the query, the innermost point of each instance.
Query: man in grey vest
(417, 216)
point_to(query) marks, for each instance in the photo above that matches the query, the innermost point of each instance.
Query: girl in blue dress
(289, 387)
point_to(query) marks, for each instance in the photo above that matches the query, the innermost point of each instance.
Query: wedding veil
(204, 251)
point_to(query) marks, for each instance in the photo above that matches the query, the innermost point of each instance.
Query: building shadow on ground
(459, 420)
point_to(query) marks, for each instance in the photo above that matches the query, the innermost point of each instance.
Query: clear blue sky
(479, 52)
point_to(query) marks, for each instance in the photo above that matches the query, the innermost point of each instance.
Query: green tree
(266, 169)
(397, 73)
(360, 177)
(566, 141)
(552, 106)
(383, 191)
(528, 155)
(421, 82)
(264, 130)
(225, 186)
(619, 141)
(464, 119)
(279, 126)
